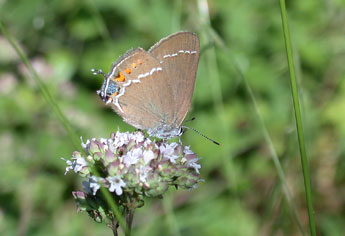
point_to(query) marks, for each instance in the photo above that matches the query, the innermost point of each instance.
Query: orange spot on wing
(133, 65)
(139, 61)
(120, 78)
(128, 70)
(114, 94)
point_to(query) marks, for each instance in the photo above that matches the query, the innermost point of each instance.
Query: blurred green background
(242, 193)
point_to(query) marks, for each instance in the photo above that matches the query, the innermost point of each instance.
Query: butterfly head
(109, 87)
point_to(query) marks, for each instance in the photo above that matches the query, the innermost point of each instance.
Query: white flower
(187, 150)
(84, 145)
(148, 156)
(111, 145)
(168, 152)
(121, 139)
(193, 164)
(69, 165)
(143, 172)
(116, 184)
(104, 141)
(138, 137)
(147, 142)
(92, 185)
(80, 163)
(77, 164)
(132, 156)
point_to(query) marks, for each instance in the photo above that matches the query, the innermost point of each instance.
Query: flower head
(131, 164)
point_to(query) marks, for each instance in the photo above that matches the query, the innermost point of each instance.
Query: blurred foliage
(242, 194)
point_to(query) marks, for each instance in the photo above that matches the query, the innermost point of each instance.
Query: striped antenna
(186, 127)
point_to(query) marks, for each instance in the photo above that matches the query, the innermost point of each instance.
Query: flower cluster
(129, 164)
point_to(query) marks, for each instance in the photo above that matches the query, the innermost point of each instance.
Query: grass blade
(43, 88)
(64, 121)
(298, 117)
(218, 41)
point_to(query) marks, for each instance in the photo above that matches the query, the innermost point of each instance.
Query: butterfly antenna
(186, 127)
(193, 118)
(98, 72)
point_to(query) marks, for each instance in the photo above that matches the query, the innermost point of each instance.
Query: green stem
(129, 220)
(295, 96)
(51, 101)
(107, 195)
(43, 88)
(265, 132)
(114, 226)
(274, 156)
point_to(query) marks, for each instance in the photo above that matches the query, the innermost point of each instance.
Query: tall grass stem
(210, 58)
(43, 88)
(218, 41)
(298, 117)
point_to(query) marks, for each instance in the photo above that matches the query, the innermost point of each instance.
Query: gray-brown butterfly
(152, 90)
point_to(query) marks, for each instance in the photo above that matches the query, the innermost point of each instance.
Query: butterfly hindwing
(178, 54)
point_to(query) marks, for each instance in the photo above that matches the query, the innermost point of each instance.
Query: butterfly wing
(179, 56)
(144, 99)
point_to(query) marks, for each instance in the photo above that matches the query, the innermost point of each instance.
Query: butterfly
(152, 90)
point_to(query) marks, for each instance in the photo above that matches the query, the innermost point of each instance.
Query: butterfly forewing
(142, 79)
(178, 54)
